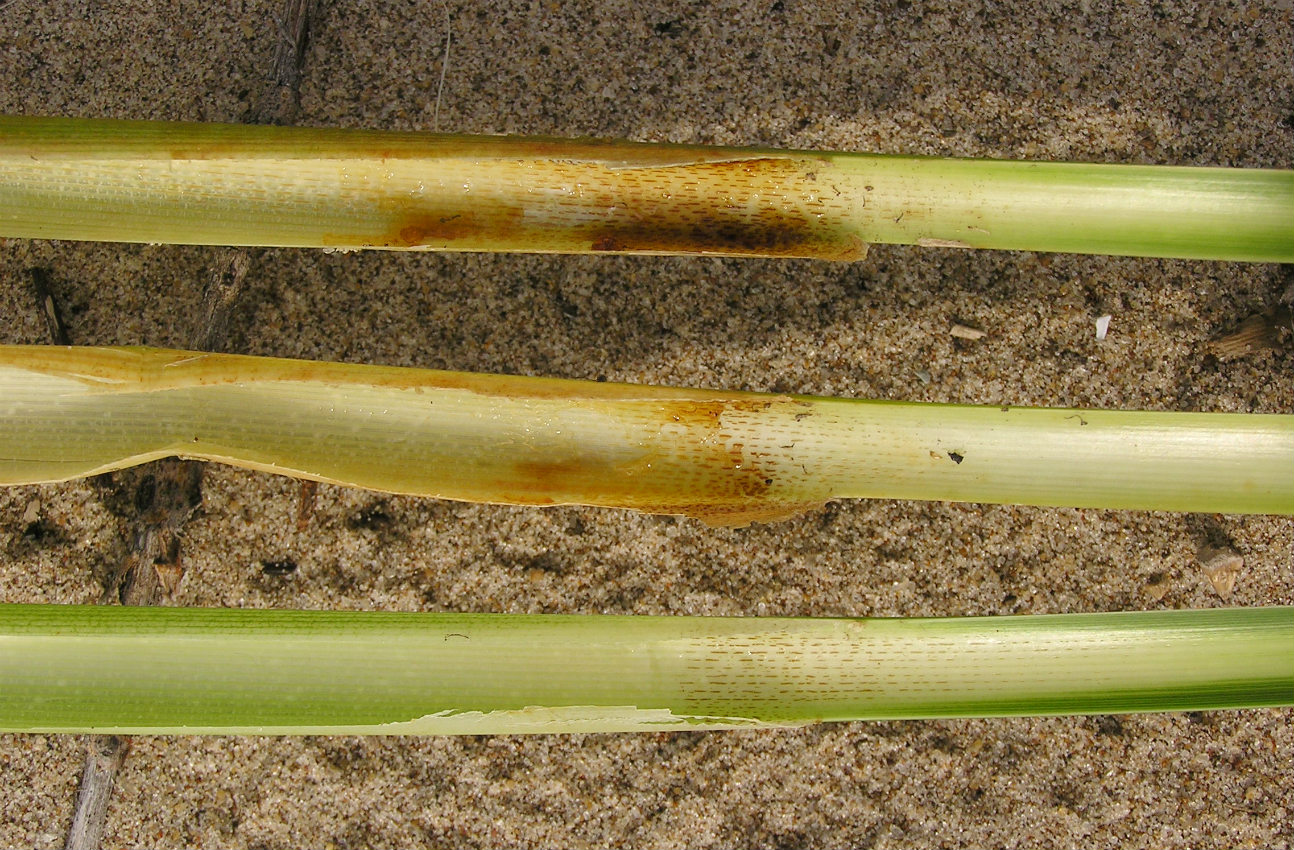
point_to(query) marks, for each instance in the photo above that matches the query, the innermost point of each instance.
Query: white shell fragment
(1102, 327)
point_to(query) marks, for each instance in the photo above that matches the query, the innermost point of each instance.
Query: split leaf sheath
(215, 184)
(70, 668)
(725, 457)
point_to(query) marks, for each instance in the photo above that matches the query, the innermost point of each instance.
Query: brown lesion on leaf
(702, 473)
(436, 228)
(762, 206)
(431, 229)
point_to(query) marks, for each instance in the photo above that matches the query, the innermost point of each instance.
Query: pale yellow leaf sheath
(213, 184)
(725, 457)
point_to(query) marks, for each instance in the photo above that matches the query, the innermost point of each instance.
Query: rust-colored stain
(457, 227)
(758, 207)
(724, 484)
(425, 229)
(770, 206)
(541, 479)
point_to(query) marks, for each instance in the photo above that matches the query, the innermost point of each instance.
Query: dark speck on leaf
(955, 457)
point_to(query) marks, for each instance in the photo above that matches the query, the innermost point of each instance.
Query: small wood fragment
(169, 576)
(281, 102)
(103, 758)
(306, 503)
(218, 299)
(1157, 587)
(1222, 567)
(1259, 332)
(961, 331)
(43, 289)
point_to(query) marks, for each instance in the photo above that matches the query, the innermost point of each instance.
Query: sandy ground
(1151, 83)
